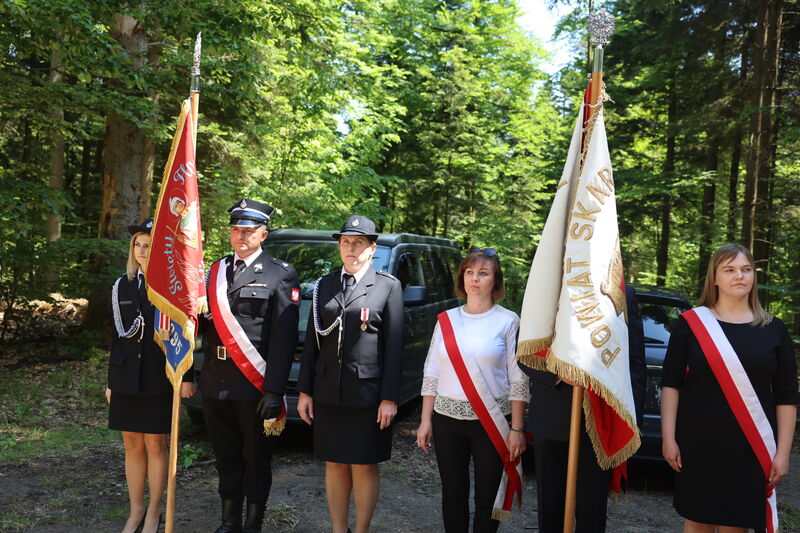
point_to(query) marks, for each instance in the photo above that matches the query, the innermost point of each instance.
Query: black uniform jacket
(265, 300)
(368, 367)
(549, 408)
(137, 367)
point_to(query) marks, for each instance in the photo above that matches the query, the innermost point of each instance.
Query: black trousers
(456, 442)
(242, 451)
(551, 486)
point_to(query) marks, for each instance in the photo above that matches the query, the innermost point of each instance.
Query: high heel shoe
(158, 527)
(141, 523)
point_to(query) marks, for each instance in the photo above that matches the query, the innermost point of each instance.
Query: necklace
(735, 317)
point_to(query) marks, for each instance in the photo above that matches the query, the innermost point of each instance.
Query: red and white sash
(241, 350)
(741, 397)
(491, 417)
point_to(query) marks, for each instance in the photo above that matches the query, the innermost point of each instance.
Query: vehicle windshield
(658, 320)
(312, 260)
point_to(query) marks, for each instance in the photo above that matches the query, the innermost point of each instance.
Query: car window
(658, 320)
(438, 277)
(408, 270)
(312, 260)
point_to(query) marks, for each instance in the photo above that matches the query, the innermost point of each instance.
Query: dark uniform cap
(247, 212)
(145, 227)
(357, 225)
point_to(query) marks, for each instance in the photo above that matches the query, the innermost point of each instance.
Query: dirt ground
(88, 493)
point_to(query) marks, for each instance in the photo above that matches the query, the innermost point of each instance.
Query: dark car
(659, 308)
(425, 267)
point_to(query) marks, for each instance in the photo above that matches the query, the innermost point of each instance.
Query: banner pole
(173, 458)
(601, 27)
(572, 461)
(169, 524)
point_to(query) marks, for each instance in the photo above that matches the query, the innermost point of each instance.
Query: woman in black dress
(349, 380)
(720, 484)
(139, 395)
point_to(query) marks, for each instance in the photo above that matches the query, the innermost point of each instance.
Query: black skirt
(147, 413)
(350, 435)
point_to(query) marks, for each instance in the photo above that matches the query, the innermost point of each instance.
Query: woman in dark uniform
(349, 380)
(139, 395)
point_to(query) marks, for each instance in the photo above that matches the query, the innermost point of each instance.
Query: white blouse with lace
(490, 339)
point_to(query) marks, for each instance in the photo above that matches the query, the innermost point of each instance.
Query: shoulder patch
(386, 274)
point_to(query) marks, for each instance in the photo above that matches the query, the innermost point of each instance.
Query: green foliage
(430, 117)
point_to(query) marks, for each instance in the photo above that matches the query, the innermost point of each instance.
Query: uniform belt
(222, 353)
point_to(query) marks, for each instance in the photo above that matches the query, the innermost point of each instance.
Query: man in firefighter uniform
(250, 339)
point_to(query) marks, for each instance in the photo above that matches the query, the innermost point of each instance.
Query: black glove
(270, 405)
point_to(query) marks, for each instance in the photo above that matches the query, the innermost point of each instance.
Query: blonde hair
(132, 267)
(710, 294)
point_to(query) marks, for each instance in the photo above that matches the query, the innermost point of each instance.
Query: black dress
(720, 481)
(141, 395)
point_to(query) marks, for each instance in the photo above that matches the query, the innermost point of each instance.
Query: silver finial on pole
(601, 28)
(198, 44)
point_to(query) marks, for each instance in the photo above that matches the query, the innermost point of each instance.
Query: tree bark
(662, 257)
(763, 203)
(56, 181)
(123, 170)
(757, 102)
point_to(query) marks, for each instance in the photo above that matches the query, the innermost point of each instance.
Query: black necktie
(142, 292)
(349, 283)
(240, 266)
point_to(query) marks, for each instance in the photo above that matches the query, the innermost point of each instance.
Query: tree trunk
(763, 203)
(662, 257)
(56, 180)
(123, 170)
(707, 218)
(757, 102)
(736, 154)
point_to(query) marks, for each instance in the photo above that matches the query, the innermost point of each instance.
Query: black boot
(255, 517)
(231, 517)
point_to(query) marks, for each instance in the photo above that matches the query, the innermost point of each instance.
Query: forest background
(431, 117)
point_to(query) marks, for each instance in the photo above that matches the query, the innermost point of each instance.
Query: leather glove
(270, 405)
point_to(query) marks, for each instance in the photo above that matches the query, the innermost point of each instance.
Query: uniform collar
(249, 260)
(358, 275)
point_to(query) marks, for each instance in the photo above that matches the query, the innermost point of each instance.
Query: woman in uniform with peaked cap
(138, 392)
(349, 380)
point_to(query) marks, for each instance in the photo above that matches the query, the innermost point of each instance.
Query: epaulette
(281, 262)
(384, 273)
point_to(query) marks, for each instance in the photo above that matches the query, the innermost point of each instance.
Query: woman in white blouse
(485, 334)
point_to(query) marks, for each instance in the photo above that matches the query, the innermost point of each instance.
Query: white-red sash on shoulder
(740, 395)
(230, 332)
(491, 417)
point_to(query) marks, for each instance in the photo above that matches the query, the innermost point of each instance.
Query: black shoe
(140, 529)
(231, 517)
(255, 517)
(141, 523)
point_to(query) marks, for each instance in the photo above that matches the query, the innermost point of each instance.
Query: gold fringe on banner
(274, 428)
(527, 350)
(501, 515)
(580, 377)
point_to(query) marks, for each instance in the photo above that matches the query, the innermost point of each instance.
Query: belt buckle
(222, 353)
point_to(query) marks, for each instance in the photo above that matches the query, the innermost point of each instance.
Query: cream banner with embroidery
(573, 321)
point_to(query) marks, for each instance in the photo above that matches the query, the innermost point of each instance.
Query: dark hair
(478, 256)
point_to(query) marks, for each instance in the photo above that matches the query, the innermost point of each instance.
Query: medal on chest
(364, 318)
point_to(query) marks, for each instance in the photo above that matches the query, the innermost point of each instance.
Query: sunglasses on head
(488, 252)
